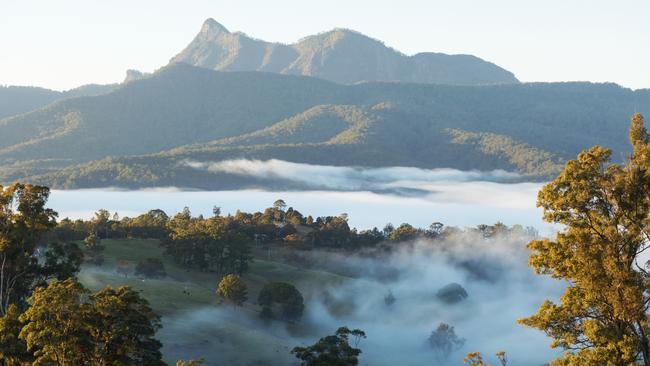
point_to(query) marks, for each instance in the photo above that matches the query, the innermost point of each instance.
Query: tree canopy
(232, 289)
(284, 296)
(66, 325)
(602, 317)
(333, 350)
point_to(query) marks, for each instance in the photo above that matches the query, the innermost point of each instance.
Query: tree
(602, 317)
(151, 268)
(452, 293)
(124, 267)
(122, 326)
(13, 350)
(66, 325)
(435, 229)
(62, 260)
(444, 341)
(404, 232)
(23, 222)
(197, 362)
(279, 205)
(475, 359)
(389, 299)
(94, 249)
(217, 242)
(55, 328)
(282, 295)
(233, 289)
(333, 350)
(101, 223)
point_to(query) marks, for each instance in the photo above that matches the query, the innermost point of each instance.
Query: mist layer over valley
(370, 197)
(349, 289)
(500, 288)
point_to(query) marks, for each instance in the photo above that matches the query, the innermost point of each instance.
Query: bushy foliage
(281, 296)
(233, 290)
(151, 268)
(25, 221)
(216, 243)
(602, 317)
(94, 249)
(452, 293)
(333, 350)
(65, 325)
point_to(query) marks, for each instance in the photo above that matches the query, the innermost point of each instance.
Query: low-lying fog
(500, 288)
(493, 271)
(371, 197)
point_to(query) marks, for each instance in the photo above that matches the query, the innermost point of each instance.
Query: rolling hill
(21, 99)
(341, 55)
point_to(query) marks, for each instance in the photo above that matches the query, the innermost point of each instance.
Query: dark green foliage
(452, 293)
(333, 350)
(62, 260)
(283, 297)
(152, 224)
(123, 328)
(151, 268)
(24, 221)
(68, 230)
(216, 243)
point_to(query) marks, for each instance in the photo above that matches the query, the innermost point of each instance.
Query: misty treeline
(223, 243)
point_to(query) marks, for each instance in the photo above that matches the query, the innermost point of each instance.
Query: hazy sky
(66, 43)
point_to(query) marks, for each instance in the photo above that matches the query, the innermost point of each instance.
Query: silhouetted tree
(333, 350)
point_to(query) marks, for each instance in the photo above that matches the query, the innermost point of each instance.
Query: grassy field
(186, 298)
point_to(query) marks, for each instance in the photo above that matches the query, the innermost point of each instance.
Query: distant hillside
(20, 99)
(145, 132)
(340, 55)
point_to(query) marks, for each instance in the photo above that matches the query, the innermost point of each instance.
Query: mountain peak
(340, 55)
(212, 26)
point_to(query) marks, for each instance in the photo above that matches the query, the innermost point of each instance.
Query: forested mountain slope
(152, 128)
(20, 99)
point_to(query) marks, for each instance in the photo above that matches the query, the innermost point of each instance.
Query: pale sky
(66, 43)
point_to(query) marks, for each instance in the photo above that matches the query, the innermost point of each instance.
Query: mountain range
(162, 129)
(340, 55)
